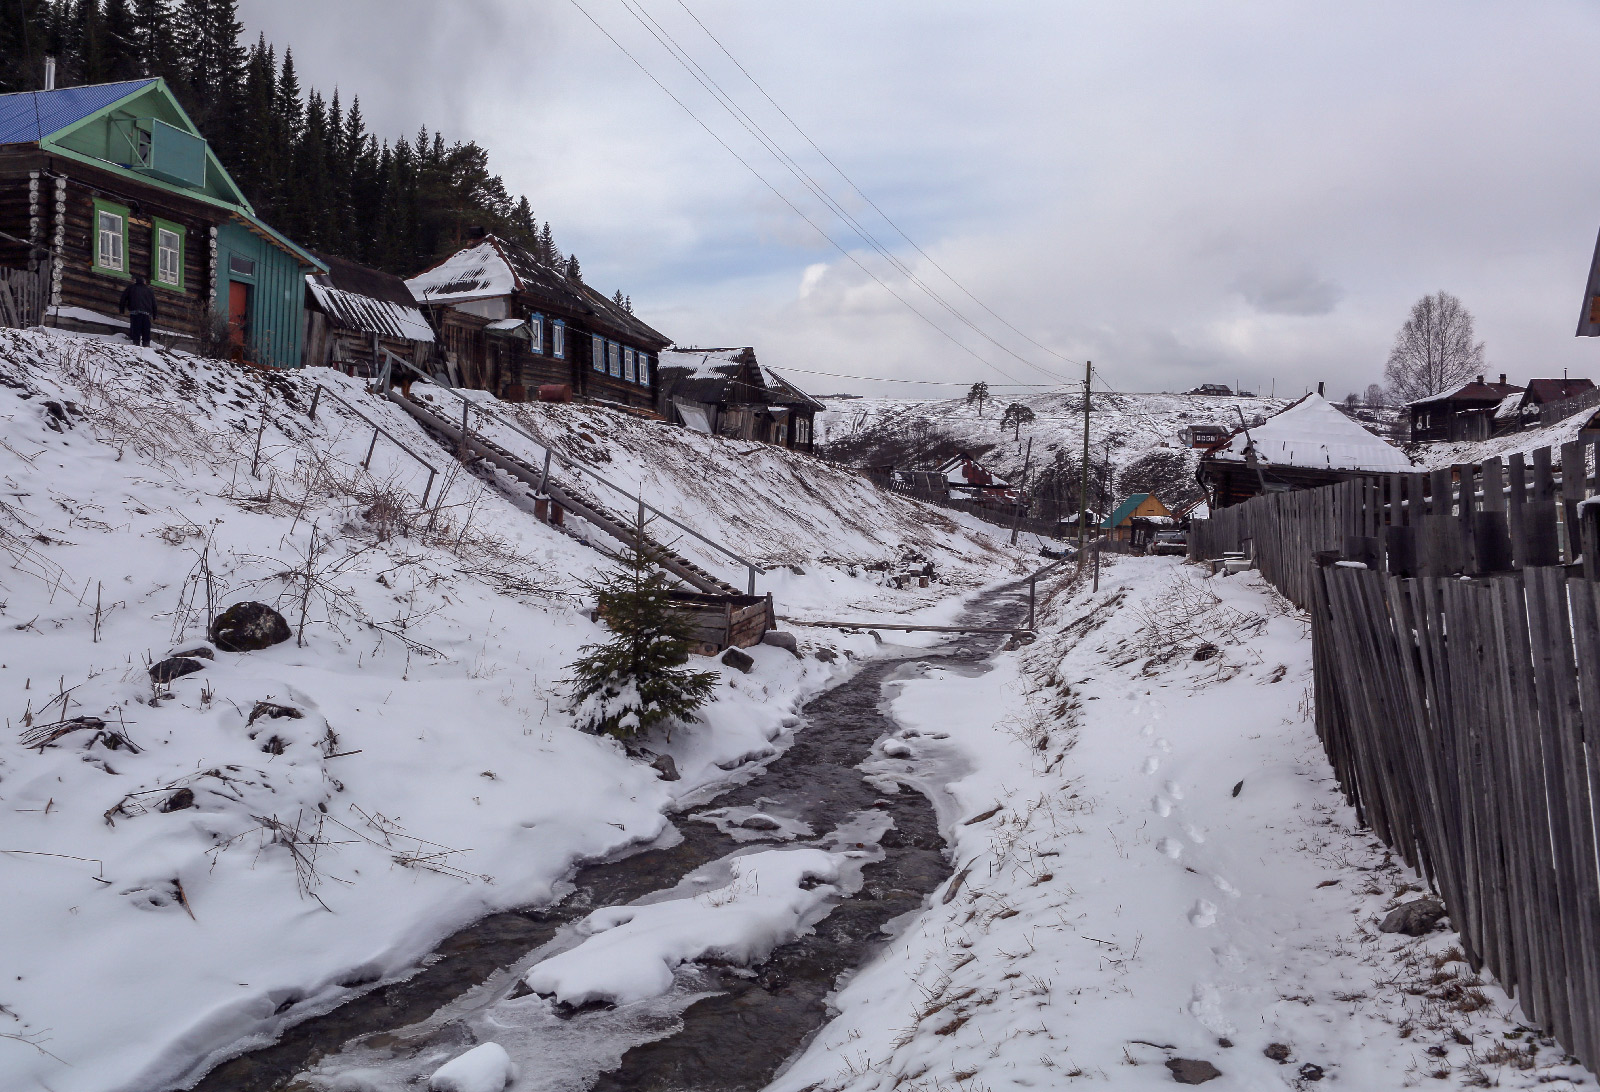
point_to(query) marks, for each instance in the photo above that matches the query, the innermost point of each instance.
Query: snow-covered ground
(190, 867)
(1138, 431)
(1154, 865)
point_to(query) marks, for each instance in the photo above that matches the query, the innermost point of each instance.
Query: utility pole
(1016, 517)
(1083, 493)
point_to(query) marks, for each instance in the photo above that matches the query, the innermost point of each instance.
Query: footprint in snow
(1173, 790)
(1161, 806)
(1171, 847)
(1194, 834)
(1147, 730)
(1152, 764)
(1225, 887)
(1164, 745)
(1203, 914)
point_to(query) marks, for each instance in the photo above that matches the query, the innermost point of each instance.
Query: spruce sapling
(637, 679)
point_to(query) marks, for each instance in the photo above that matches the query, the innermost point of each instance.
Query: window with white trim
(558, 339)
(615, 359)
(536, 333)
(802, 430)
(644, 369)
(627, 365)
(597, 352)
(111, 238)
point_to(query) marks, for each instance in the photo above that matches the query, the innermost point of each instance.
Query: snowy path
(1155, 866)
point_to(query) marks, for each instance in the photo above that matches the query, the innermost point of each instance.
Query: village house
(1136, 520)
(353, 312)
(509, 324)
(968, 479)
(727, 392)
(1306, 444)
(1466, 412)
(1544, 402)
(1198, 436)
(102, 182)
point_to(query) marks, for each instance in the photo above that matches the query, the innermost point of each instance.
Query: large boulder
(779, 639)
(249, 627)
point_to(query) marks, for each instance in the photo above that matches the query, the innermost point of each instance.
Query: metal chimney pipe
(49, 73)
(1319, 391)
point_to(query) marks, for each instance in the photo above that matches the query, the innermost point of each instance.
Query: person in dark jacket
(139, 304)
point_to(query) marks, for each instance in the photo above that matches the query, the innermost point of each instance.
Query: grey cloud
(1296, 293)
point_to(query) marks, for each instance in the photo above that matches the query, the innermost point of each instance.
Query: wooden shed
(728, 392)
(353, 311)
(102, 181)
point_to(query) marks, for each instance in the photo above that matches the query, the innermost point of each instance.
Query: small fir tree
(637, 679)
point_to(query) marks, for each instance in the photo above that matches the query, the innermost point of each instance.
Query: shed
(728, 392)
(103, 181)
(352, 311)
(1306, 444)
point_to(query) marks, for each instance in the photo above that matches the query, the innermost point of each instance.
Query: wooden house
(353, 311)
(1306, 444)
(102, 181)
(968, 479)
(509, 324)
(726, 392)
(1136, 519)
(1466, 412)
(1200, 436)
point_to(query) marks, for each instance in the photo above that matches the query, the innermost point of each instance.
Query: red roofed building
(1465, 413)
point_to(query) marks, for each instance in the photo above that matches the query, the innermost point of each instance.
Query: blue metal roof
(30, 116)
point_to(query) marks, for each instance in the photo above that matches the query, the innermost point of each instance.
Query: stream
(721, 1028)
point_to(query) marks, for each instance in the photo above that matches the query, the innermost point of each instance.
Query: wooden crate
(718, 622)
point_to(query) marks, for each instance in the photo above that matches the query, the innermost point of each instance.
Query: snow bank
(486, 1068)
(1154, 864)
(632, 951)
(186, 875)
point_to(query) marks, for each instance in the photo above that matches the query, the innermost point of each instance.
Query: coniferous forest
(304, 159)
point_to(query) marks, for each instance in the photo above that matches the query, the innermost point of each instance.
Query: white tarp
(694, 415)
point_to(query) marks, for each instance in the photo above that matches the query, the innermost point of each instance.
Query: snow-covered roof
(1314, 435)
(705, 363)
(1509, 407)
(472, 273)
(373, 316)
(1475, 390)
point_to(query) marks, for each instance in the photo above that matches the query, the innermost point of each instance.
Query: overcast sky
(1249, 192)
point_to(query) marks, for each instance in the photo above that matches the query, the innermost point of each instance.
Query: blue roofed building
(103, 182)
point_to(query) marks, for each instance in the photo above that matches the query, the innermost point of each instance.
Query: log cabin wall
(34, 204)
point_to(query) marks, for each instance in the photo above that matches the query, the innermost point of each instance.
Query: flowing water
(721, 1028)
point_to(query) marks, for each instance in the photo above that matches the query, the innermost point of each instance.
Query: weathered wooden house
(1466, 412)
(352, 312)
(726, 392)
(1306, 444)
(1136, 518)
(968, 479)
(509, 324)
(100, 182)
(1198, 436)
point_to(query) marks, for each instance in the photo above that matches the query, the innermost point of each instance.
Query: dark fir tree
(637, 680)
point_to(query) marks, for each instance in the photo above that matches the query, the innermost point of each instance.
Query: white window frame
(170, 275)
(627, 364)
(597, 351)
(644, 368)
(802, 430)
(536, 333)
(614, 359)
(558, 339)
(115, 257)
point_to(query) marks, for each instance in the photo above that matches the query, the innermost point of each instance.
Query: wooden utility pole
(1016, 511)
(1083, 494)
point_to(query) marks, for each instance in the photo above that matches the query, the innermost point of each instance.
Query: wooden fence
(22, 297)
(1456, 651)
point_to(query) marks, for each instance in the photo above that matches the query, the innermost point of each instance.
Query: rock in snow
(248, 627)
(739, 660)
(1415, 919)
(174, 667)
(1191, 1071)
(485, 1068)
(779, 639)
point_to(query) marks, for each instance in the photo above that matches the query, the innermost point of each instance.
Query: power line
(779, 194)
(710, 85)
(862, 194)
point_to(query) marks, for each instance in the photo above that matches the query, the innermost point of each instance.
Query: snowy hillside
(1138, 433)
(190, 865)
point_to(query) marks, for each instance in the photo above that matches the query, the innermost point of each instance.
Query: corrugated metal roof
(1125, 509)
(29, 116)
(356, 312)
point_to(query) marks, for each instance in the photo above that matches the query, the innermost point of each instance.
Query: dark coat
(138, 297)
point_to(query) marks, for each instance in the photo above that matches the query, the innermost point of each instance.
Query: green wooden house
(102, 181)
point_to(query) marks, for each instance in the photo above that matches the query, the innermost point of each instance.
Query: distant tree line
(305, 160)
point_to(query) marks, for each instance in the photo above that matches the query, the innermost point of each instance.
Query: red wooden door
(238, 317)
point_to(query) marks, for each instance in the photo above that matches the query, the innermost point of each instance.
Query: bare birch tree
(1434, 351)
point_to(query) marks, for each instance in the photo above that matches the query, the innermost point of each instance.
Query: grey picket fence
(1455, 621)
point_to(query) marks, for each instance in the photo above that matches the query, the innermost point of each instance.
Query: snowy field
(191, 867)
(1155, 866)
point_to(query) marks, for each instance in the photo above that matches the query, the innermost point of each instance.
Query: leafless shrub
(1184, 615)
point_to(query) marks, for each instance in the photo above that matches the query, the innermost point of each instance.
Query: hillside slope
(190, 866)
(1137, 434)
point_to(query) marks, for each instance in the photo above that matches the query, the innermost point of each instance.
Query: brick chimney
(1502, 379)
(1480, 379)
